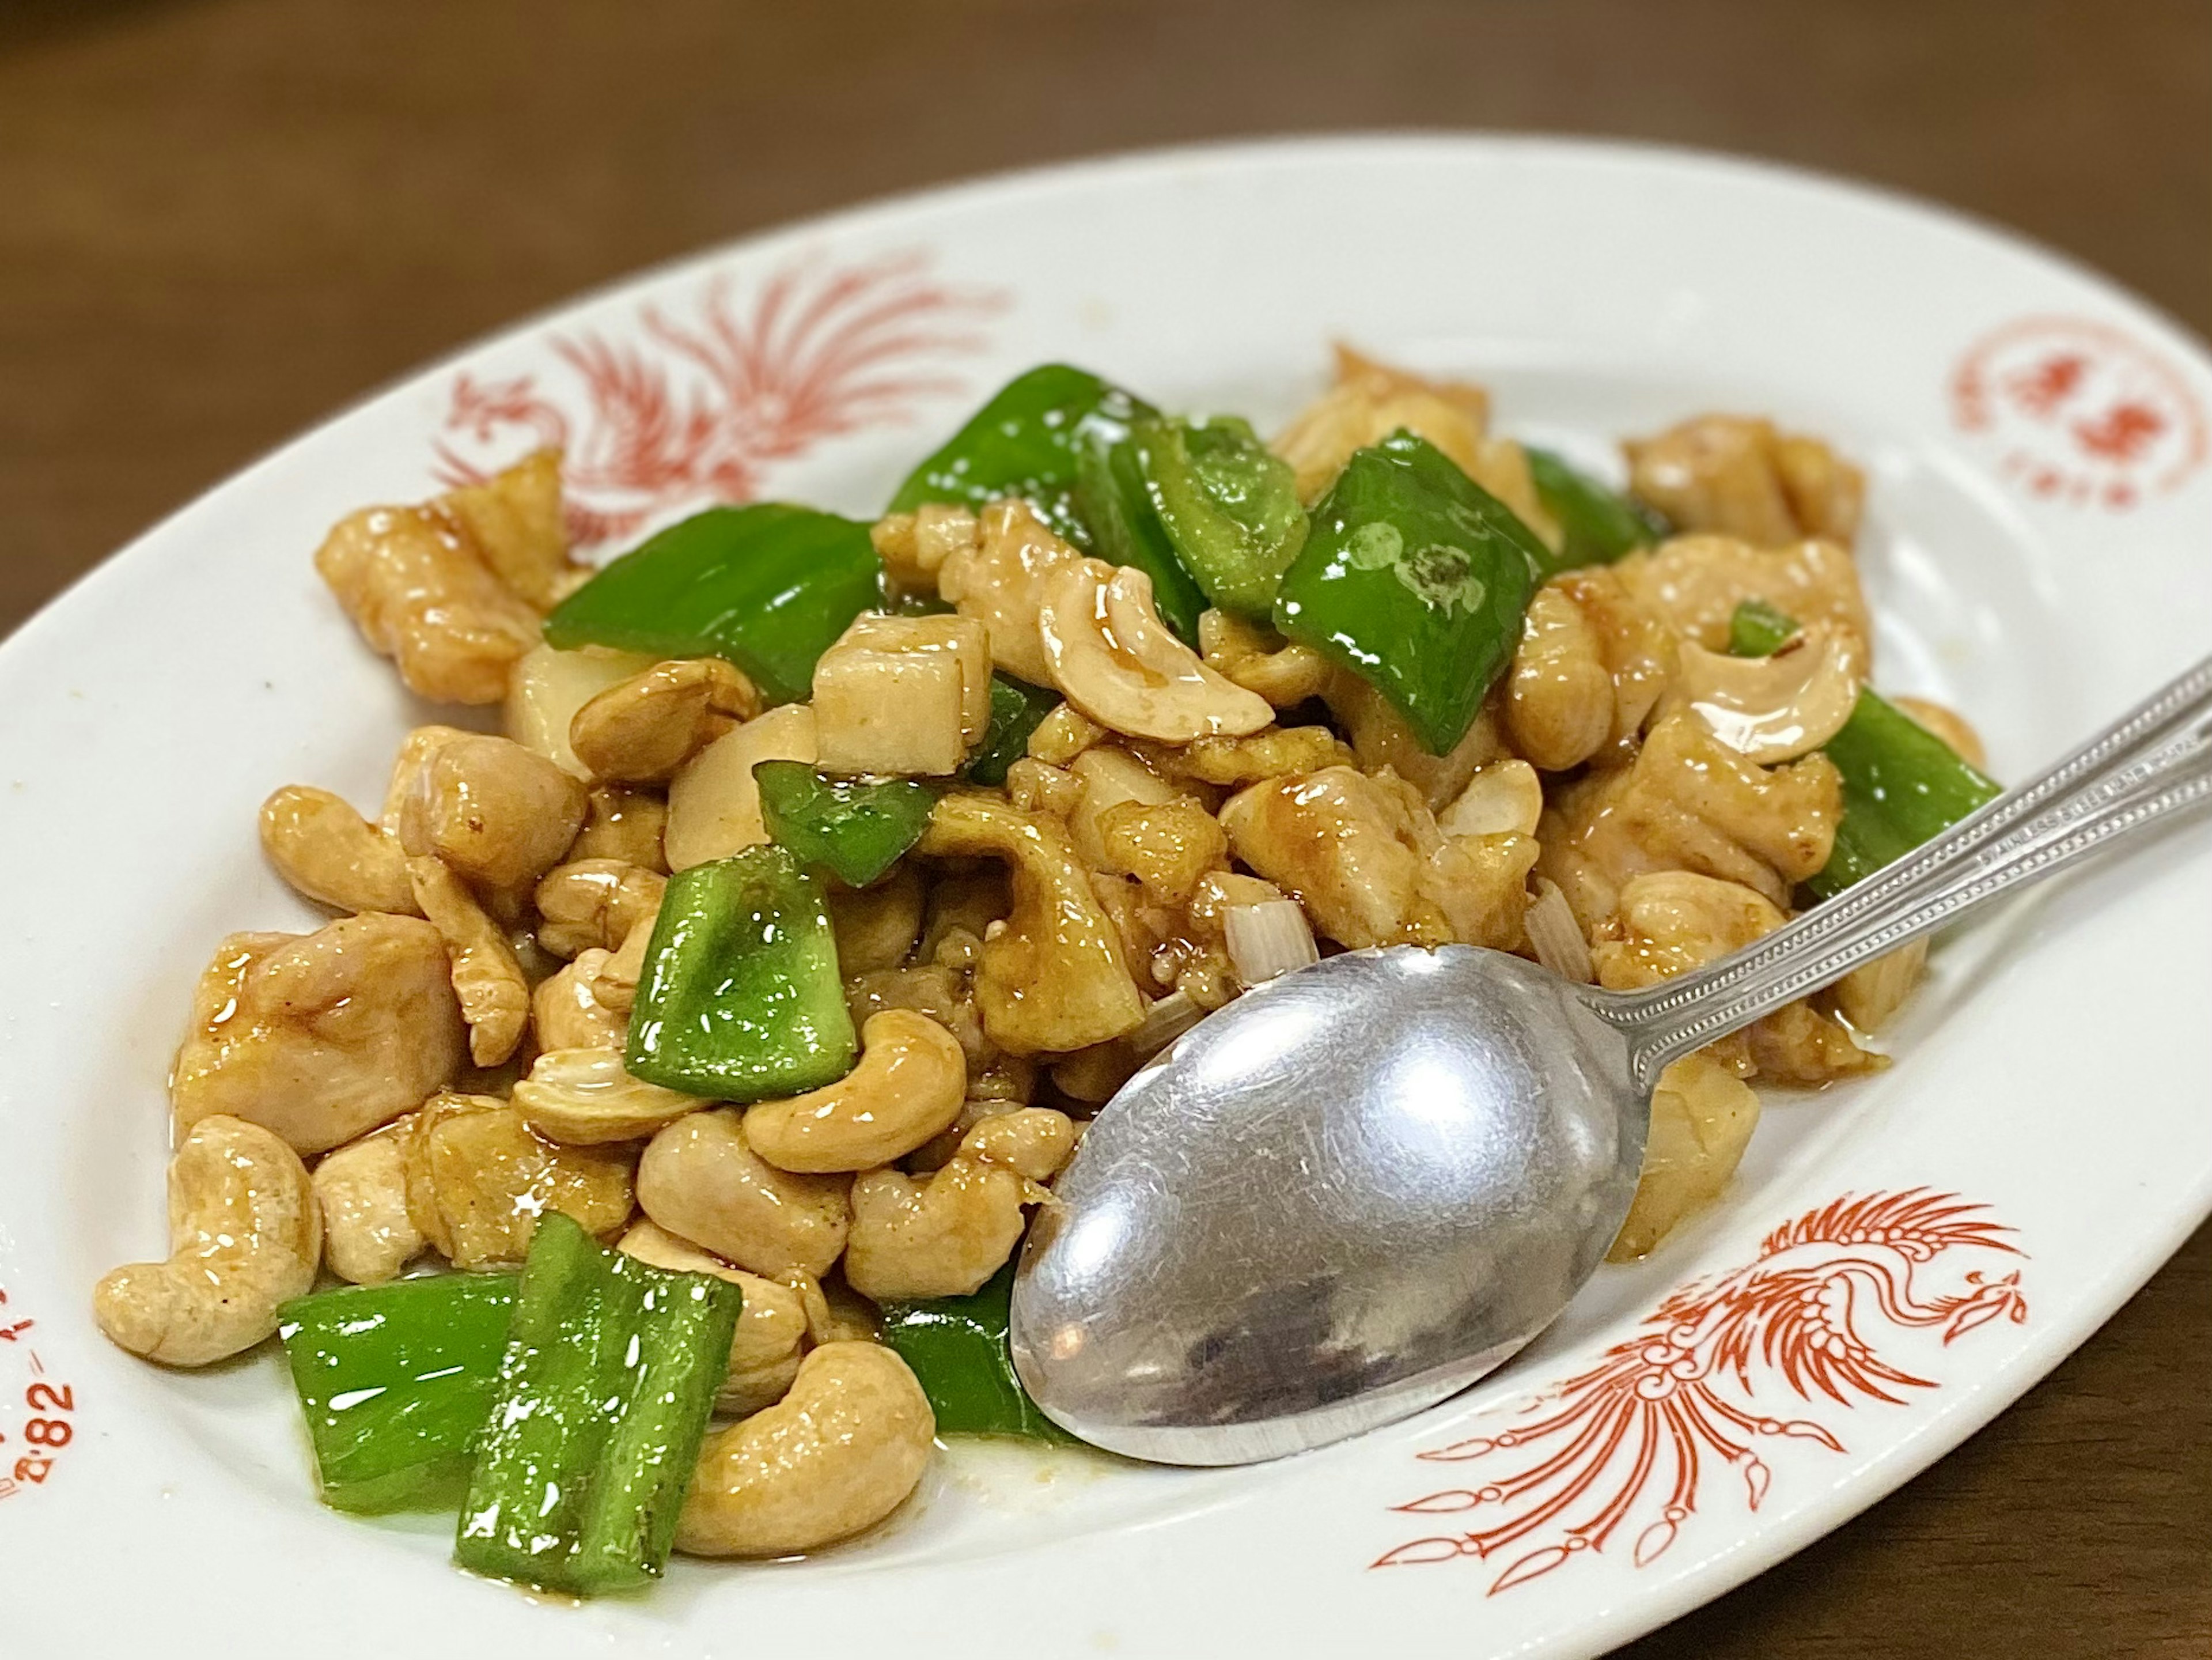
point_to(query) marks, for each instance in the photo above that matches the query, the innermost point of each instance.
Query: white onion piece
(1557, 936)
(1167, 1019)
(1269, 939)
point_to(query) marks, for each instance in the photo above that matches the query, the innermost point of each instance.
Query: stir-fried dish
(684, 1061)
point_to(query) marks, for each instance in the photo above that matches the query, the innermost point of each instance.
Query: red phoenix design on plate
(1631, 1439)
(694, 408)
(2081, 412)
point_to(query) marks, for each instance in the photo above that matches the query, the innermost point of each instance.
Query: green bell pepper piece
(770, 586)
(955, 1347)
(1415, 579)
(1111, 500)
(1027, 441)
(1017, 708)
(1228, 504)
(855, 828)
(605, 1390)
(395, 1381)
(739, 997)
(1902, 784)
(1597, 525)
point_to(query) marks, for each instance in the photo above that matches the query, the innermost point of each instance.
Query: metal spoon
(1360, 1187)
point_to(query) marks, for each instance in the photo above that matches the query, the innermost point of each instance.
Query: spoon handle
(2154, 762)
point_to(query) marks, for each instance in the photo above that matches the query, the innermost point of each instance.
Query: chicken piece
(1689, 803)
(424, 584)
(1381, 738)
(320, 1037)
(1671, 922)
(1260, 660)
(1053, 977)
(494, 812)
(932, 988)
(478, 1178)
(1364, 857)
(913, 546)
(1739, 476)
(1702, 1117)
(1166, 847)
(1369, 402)
(1272, 753)
(514, 522)
(998, 579)
(1591, 666)
(1692, 584)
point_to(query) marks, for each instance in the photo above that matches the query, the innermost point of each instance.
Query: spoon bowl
(1322, 1227)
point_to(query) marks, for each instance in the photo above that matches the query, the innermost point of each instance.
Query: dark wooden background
(219, 219)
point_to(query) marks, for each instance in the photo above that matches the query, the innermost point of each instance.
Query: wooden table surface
(220, 219)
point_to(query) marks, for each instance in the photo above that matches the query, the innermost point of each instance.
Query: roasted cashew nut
(582, 1098)
(594, 902)
(567, 1013)
(329, 852)
(1776, 707)
(910, 1081)
(1109, 653)
(369, 1235)
(244, 1236)
(836, 1454)
(639, 730)
(946, 1236)
(701, 1181)
(487, 978)
(764, 1353)
(1053, 978)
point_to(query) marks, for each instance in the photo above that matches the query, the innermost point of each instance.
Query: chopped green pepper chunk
(1017, 706)
(956, 1347)
(395, 1381)
(604, 1391)
(740, 998)
(1597, 525)
(856, 829)
(1111, 500)
(1229, 505)
(1415, 578)
(1027, 441)
(770, 586)
(1902, 784)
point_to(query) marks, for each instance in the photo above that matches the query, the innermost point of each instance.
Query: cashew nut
(1505, 797)
(329, 852)
(244, 1236)
(321, 1037)
(714, 805)
(361, 1187)
(479, 1179)
(594, 902)
(1259, 659)
(547, 689)
(946, 1236)
(494, 812)
(1053, 977)
(625, 825)
(909, 1086)
(1775, 708)
(566, 1012)
(836, 1454)
(701, 1181)
(913, 546)
(639, 730)
(487, 978)
(835, 1312)
(1111, 656)
(582, 1098)
(764, 1353)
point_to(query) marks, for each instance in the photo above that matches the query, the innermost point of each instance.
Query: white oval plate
(1898, 1260)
